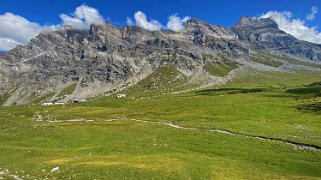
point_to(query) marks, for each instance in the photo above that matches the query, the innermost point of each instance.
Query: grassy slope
(292, 60)
(42, 98)
(267, 60)
(220, 68)
(257, 104)
(67, 90)
(162, 81)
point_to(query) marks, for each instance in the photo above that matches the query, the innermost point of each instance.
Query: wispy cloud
(83, 17)
(7, 44)
(175, 23)
(129, 22)
(311, 16)
(296, 27)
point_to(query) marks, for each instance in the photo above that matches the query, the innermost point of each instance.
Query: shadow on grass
(305, 90)
(212, 92)
(308, 92)
(310, 107)
(279, 95)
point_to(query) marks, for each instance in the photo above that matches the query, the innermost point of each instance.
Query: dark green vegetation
(211, 92)
(309, 96)
(311, 106)
(90, 145)
(4, 97)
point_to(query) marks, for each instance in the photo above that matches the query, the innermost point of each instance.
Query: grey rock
(264, 34)
(105, 58)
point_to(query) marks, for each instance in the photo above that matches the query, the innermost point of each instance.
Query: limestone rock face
(106, 58)
(264, 34)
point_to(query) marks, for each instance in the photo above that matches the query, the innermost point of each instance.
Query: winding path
(296, 145)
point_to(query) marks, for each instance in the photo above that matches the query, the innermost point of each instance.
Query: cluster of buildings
(53, 103)
(76, 100)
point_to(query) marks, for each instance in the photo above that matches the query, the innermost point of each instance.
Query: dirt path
(296, 145)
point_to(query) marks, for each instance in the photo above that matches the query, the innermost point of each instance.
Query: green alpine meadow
(172, 136)
(155, 90)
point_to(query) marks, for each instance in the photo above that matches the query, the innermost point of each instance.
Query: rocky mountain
(264, 34)
(69, 63)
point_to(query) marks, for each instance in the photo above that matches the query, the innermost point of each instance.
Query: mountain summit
(70, 63)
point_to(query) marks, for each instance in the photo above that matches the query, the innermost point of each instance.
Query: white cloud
(73, 22)
(7, 44)
(311, 16)
(295, 27)
(83, 17)
(16, 30)
(141, 21)
(176, 23)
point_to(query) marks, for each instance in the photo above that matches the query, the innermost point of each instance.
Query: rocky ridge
(106, 59)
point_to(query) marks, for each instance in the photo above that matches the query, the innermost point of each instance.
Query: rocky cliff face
(106, 59)
(264, 34)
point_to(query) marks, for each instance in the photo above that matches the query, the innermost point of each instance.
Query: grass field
(96, 140)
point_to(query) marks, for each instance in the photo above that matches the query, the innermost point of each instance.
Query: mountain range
(72, 64)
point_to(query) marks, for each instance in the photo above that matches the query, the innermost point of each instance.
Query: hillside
(105, 59)
(207, 102)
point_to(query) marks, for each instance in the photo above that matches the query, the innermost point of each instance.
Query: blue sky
(220, 12)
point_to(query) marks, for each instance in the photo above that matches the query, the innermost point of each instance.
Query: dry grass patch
(163, 163)
(60, 160)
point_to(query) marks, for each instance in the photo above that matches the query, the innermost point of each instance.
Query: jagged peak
(253, 21)
(134, 28)
(105, 25)
(246, 20)
(197, 22)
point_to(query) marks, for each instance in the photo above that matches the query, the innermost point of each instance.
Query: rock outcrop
(105, 58)
(264, 34)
